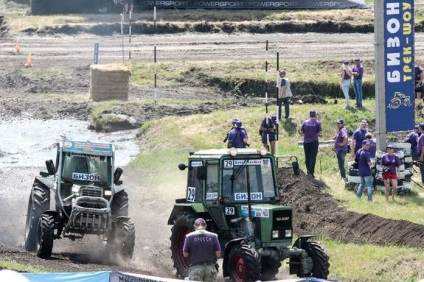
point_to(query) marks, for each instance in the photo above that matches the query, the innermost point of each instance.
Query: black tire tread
(46, 239)
(119, 205)
(251, 262)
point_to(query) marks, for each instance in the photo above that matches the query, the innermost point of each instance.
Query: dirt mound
(317, 212)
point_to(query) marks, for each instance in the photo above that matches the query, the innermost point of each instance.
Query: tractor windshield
(86, 169)
(254, 174)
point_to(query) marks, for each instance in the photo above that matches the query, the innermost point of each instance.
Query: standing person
(233, 121)
(364, 169)
(357, 137)
(237, 136)
(419, 78)
(204, 249)
(358, 72)
(390, 164)
(269, 133)
(340, 146)
(420, 150)
(412, 138)
(345, 81)
(311, 130)
(373, 145)
(284, 95)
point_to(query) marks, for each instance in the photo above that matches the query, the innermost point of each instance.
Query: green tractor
(80, 195)
(236, 192)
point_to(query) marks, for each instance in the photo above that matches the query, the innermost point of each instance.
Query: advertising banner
(254, 4)
(101, 276)
(399, 64)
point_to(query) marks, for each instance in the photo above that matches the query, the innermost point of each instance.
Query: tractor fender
(122, 218)
(194, 208)
(226, 252)
(118, 188)
(299, 243)
(47, 182)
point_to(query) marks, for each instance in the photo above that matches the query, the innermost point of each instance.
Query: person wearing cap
(358, 136)
(203, 249)
(268, 129)
(390, 164)
(412, 138)
(364, 169)
(284, 95)
(345, 81)
(311, 130)
(237, 137)
(419, 78)
(357, 73)
(420, 150)
(340, 146)
(373, 145)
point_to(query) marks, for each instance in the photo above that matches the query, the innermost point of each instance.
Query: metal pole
(380, 88)
(154, 49)
(129, 34)
(122, 36)
(278, 88)
(266, 92)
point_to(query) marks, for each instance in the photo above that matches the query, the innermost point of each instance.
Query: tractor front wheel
(243, 264)
(45, 236)
(320, 260)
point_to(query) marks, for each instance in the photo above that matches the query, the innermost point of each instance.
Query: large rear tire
(183, 225)
(243, 264)
(320, 260)
(39, 201)
(46, 236)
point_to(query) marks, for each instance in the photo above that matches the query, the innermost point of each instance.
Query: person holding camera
(268, 132)
(203, 249)
(390, 164)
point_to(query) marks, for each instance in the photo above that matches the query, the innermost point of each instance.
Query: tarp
(254, 4)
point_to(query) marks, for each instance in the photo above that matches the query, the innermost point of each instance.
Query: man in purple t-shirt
(357, 137)
(203, 249)
(340, 146)
(364, 169)
(311, 130)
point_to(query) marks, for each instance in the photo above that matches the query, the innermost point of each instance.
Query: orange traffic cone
(17, 47)
(29, 61)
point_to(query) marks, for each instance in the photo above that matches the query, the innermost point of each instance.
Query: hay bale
(109, 82)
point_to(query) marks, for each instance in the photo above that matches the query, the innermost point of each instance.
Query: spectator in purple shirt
(357, 137)
(268, 131)
(420, 150)
(373, 145)
(364, 169)
(412, 138)
(237, 136)
(311, 130)
(357, 73)
(340, 146)
(390, 164)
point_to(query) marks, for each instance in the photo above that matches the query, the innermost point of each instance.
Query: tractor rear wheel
(183, 225)
(39, 201)
(243, 264)
(45, 236)
(320, 260)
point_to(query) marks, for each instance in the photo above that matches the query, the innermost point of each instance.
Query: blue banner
(101, 276)
(399, 64)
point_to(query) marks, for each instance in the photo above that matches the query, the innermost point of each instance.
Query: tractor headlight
(108, 193)
(76, 189)
(275, 234)
(233, 152)
(288, 233)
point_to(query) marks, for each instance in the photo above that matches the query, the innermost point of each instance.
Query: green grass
(167, 142)
(7, 264)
